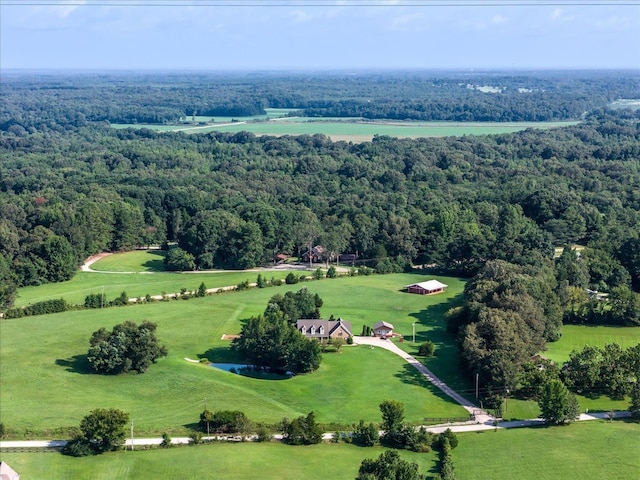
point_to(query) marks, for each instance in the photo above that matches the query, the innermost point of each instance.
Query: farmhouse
(383, 329)
(316, 255)
(8, 473)
(426, 288)
(324, 329)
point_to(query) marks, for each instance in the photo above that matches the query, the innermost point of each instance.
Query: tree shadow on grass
(431, 325)
(194, 425)
(411, 376)
(221, 355)
(156, 264)
(76, 364)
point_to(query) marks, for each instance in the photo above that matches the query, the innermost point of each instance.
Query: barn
(426, 288)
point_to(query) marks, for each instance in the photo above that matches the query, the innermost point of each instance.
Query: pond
(251, 371)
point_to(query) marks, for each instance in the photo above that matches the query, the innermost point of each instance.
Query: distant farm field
(588, 450)
(575, 337)
(356, 129)
(43, 362)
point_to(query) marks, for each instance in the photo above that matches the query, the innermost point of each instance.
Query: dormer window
(313, 330)
(321, 330)
(303, 330)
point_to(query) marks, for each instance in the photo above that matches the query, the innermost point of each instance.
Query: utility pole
(207, 415)
(477, 386)
(131, 435)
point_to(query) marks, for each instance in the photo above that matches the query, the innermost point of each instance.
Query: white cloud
(498, 19)
(558, 15)
(404, 21)
(299, 16)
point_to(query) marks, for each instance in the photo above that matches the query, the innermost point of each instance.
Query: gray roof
(383, 324)
(329, 326)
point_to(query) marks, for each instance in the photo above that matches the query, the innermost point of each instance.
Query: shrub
(331, 273)
(263, 434)
(291, 279)
(365, 435)
(446, 437)
(195, 438)
(77, 447)
(318, 274)
(350, 341)
(39, 308)
(166, 441)
(427, 349)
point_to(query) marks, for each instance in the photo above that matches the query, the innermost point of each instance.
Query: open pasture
(135, 261)
(47, 383)
(575, 337)
(355, 129)
(588, 450)
(136, 284)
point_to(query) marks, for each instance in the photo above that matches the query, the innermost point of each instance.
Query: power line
(321, 3)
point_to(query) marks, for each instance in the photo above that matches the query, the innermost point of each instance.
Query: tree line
(235, 200)
(32, 101)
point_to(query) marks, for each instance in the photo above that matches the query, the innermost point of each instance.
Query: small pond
(251, 371)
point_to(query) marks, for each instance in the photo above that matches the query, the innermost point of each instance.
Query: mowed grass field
(135, 261)
(138, 273)
(46, 382)
(588, 450)
(354, 129)
(575, 337)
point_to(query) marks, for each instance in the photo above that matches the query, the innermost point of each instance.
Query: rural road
(477, 427)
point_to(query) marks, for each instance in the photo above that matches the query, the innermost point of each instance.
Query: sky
(317, 34)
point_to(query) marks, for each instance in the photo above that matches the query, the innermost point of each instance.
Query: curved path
(480, 415)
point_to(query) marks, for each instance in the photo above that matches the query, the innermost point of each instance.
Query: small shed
(8, 473)
(426, 288)
(383, 329)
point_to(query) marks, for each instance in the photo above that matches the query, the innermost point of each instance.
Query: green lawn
(588, 450)
(575, 337)
(46, 384)
(134, 261)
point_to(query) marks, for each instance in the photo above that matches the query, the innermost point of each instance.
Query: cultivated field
(589, 451)
(353, 129)
(47, 384)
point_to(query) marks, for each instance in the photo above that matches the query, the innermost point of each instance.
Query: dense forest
(57, 101)
(488, 207)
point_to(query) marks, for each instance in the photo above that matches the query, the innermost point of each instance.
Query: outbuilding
(426, 288)
(383, 329)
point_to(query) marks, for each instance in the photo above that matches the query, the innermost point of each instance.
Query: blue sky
(317, 34)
